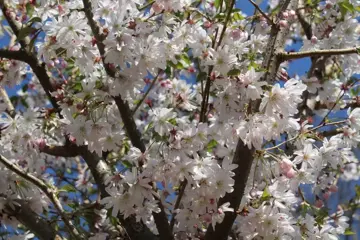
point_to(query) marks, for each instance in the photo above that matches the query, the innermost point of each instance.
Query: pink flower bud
(286, 165)
(333, 188)
(319, 203)
(283, 24)
(291, 173)
(40, 143)
(157, 7)
(236, 34)
(326, 195)
(285, 14)
(207, 218)
(292, 13)
(314, 40)
(51, 64)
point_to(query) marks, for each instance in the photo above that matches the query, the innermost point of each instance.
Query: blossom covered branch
(49, 193)
(317, 53)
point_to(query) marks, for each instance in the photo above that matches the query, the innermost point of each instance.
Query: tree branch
(262, 12)
(177, 203)
(14, 25)
(161, 221)
(300, 12)
(285, 56)
(61, 151)
(243, 155)
(48, 192)
(244, 158)
(38, 69)
(37, 225)
(276, 43)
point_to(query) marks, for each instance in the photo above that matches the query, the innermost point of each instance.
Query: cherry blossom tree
(177, 119)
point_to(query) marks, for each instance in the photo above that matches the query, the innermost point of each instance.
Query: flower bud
(319, 203)
(285, 14)
(157, 7)
(40, 143)
(314, 40)
(292, 13)
(333, 188)
(283, 24)
(291, 173)
(326, 195)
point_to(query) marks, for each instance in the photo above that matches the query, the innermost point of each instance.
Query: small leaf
(26, 31)
(266, 194)
(127, 164)
(358, 50)
(234, 72)
(67, 188)
(33, 20)
(211, 145)
(25, 88)
(172, 121)
(238, 17)
(348, 232)
(217, 3)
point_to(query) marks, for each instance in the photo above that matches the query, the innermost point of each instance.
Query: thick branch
(244, 158)
(178, 201)
(129, 123)
(285, 56)
(243, 155)
(306, 26)
(126, 115)
(48, 192)
(38, 69)
(276, 43)
(31, 220)
(61, 151)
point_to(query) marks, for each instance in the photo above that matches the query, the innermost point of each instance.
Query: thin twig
(48, 192)
(145, 95)
(285, 56)
(262, 12)
(308, 131)
(177, 203)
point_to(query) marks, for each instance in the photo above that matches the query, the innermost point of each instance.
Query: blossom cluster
(194, 83)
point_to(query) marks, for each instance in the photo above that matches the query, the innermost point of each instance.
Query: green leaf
(25, 88)
(67, 188)
(201, 76)
(345, 7)
(220, 16)
(32, 42)
(217, 3)
(127, 164)
(266, 194)
(185, 60)
(358, 50)
(178, 66)
(168, 71)
(33, 20)
(233, 72)
(172, 121)
(348, 232)
(211, 145)
(29, 9)
(238, 17)
(24, 103)
(26, 31)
